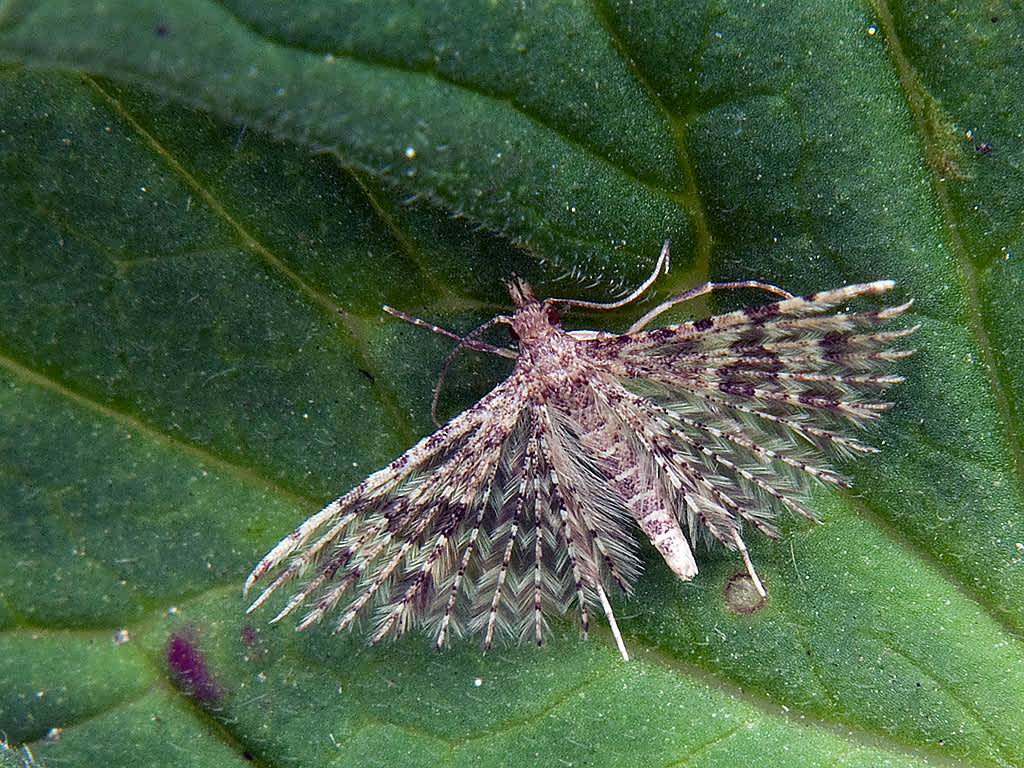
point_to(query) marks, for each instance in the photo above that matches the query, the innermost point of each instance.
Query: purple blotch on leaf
(249, 635)
(189, 669)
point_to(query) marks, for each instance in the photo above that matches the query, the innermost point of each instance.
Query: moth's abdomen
(637, 481)
(660, 525)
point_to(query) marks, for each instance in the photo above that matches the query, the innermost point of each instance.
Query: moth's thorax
(534, 323)
(546, 351)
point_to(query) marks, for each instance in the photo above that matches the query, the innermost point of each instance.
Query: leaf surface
(205, 206)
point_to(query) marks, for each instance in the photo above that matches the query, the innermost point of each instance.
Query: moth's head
(521, 292)
(532, 318)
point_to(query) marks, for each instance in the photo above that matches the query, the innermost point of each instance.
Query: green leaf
(204, 206)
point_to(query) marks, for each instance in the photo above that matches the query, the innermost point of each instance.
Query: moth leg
(469, 340)
(611, 620)
(750, 566)
(702, 290)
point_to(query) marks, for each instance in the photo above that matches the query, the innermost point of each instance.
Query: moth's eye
(513, 334)
(553, 317)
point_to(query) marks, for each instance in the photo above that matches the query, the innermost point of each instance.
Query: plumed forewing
(385, 542)
(470, 531)
(749, 402)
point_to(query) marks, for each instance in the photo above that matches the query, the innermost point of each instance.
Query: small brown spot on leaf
(741, 596)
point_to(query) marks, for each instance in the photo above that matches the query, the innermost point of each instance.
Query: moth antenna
(701, 290)
(663, 260)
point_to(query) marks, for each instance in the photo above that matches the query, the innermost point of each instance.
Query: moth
(529, 503)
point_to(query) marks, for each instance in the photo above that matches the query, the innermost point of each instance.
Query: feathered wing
(481, 527)
(739, 410)
(520, 507)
